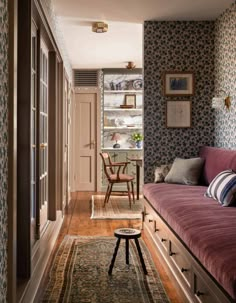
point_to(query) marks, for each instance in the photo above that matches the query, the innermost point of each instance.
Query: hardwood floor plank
(77, 222)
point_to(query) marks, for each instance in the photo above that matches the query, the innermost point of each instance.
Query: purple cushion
(216, 160)
(207, 228)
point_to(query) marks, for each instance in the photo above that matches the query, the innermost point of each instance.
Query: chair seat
(123, 178)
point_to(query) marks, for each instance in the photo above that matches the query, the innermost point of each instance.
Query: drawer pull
(155, 227)
(172, 253)
(183, 269)
(199, 293)
(150, 220)
(163, 240)
(143, 215)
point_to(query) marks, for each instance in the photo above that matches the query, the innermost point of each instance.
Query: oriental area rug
(117, 208)
(79, 274)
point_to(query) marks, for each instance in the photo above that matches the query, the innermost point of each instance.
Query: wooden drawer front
(161, 233)
(181, 262)
(156, 226)
(202, 292)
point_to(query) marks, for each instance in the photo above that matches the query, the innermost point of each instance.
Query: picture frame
(130, 100)
(178, 83)
(178, 114)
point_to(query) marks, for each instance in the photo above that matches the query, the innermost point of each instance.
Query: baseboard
(41, 254)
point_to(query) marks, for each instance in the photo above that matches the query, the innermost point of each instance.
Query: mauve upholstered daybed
(195, 234)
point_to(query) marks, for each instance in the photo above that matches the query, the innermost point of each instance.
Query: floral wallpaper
(225, 77)
(177, 46)
(3, 146)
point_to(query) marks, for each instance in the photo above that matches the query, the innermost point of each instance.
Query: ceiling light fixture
(130, 65)
(100, 27)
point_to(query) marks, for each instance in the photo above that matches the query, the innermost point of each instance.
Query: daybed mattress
(207, 228)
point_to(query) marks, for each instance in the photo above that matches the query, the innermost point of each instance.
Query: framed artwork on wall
(178, 114)
(178, 84)
(130, 100)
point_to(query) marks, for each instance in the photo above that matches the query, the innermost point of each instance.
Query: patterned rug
(117, 208)
(79, 274)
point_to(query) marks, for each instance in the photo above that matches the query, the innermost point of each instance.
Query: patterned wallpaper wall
(3, 146)
(225, 77)
(177, 46)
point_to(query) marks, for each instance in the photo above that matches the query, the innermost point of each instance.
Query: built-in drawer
(156, 227)
(181, 262)
(161, 233)
(202, 292)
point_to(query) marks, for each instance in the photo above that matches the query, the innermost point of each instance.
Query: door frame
(97, 91)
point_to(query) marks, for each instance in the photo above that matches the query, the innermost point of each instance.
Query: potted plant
(137, 138)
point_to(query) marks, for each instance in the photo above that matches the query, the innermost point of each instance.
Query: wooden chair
(115, 173)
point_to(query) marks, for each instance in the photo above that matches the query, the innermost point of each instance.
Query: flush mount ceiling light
(130, 65)
(100, 27)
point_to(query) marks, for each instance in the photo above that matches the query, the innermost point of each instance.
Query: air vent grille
(85, 78)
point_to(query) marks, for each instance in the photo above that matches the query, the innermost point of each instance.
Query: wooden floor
(77, 222)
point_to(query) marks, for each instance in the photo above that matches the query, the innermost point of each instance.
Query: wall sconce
(222, 102)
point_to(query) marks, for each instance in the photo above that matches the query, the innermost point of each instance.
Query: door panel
(43, 138)
(85, 141)
(33, 137)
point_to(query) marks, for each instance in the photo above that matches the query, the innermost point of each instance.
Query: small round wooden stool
(127, 234)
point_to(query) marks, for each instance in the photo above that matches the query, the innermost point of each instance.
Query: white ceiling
(123, 41)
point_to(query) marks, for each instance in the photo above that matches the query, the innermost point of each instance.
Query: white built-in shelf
(121, 127)
(123, 91)
(120, 149)
(110, 109)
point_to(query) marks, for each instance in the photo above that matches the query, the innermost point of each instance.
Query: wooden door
(65, 143)
(85, 124)
(43, 138)
(33, 137)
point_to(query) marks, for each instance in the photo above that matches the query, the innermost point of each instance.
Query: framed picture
(178, 84)
(178, 114)
(130, 100)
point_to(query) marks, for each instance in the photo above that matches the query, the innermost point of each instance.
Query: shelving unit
(124, 121)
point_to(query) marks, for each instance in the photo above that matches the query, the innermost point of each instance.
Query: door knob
(43, 145)
(93, 142)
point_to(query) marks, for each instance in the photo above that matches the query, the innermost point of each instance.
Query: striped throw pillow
(223, 188)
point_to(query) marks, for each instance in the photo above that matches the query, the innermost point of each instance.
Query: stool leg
(114, 256)
(127, 251)
(141, 256)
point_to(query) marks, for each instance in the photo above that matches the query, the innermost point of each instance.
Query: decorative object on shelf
(116, 137)
(137, 138)
(130, 100)
(130, 65)
(126, 106)
(178, 84)
(223, 100)
(138, 84)
(178, 114)
(100, 27)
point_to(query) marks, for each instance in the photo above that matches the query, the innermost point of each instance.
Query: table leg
(141, 256)
(114, 256)
(137, 179)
